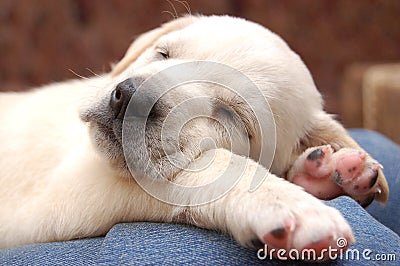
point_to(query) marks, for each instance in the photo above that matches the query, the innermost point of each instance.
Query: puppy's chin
(108, 144)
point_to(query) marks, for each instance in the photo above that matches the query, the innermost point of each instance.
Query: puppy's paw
(327, 174)
(294, 221)
(357, 173)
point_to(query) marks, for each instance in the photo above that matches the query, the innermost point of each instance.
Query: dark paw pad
(279, 237)
(315, 155)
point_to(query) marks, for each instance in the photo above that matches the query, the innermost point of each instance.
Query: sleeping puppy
(198, 123)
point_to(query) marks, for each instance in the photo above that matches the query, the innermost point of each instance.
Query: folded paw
(327, 174)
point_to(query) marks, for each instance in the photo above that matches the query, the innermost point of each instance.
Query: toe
(318, 161)
(280, 237)
(349, 166)
(315, 155)
(327, 248)
(319, 248)
(364, 183)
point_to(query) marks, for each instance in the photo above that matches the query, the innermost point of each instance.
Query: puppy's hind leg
(333, 164)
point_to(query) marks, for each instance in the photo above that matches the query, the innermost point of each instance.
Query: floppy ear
(147, 39)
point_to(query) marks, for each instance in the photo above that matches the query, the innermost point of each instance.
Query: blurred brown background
(45, 40)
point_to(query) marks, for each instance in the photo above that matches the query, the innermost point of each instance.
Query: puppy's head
(198, 83)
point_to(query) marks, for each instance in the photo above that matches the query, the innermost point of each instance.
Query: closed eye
(163, 53)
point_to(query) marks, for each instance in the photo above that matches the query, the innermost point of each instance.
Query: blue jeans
(168, 244)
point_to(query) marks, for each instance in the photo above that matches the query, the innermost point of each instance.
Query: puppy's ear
(147, 39)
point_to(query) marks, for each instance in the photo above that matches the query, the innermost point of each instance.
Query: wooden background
(45, 40)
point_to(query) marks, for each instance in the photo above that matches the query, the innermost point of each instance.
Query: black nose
(121, 96)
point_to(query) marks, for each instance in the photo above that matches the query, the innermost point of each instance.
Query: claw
(368, 201)
(377, 190)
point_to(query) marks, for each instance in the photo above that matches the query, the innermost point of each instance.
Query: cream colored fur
(55, 184)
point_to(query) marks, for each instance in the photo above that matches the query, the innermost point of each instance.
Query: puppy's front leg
(278, 213)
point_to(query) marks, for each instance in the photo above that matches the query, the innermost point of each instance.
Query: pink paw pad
(350, 165)
(355, 173)
(318, 162)
(322, 246)
(327, 174)
(280, 237)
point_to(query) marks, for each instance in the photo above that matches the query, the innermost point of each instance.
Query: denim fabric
(388, 154)
(76, 252)
(168, 244)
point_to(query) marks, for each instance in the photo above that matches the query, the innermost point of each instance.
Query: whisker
(169, 13)
(173, 7)
(91, 71)
(186, 5)
(73, 72)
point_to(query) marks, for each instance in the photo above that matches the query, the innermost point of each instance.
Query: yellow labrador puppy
(197, 124)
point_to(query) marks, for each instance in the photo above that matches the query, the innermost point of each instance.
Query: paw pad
(280, 237)
(327, 174)
(316, 154)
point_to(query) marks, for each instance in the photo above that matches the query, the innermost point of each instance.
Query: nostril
(117, 94)
(120, 97)
(116, 101)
